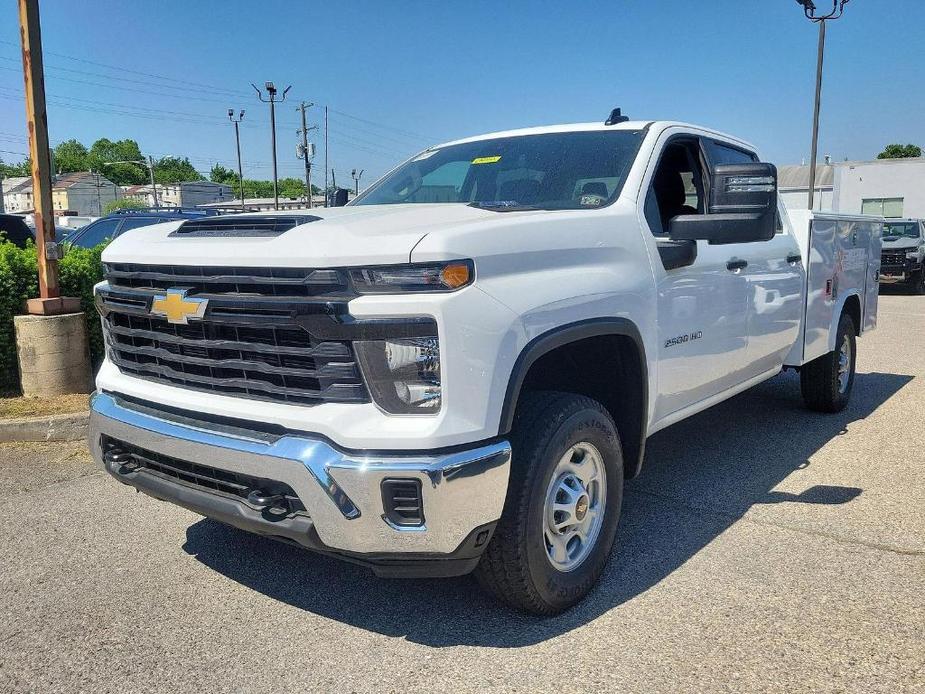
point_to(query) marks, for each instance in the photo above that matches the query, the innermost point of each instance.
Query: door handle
(736, 264)
(794, 258)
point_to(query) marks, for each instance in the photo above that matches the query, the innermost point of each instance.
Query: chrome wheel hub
(574, 508)
(844, 364)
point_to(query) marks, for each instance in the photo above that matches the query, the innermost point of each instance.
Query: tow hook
(276, 504)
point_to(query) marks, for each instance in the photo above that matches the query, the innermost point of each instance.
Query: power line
(125, 69)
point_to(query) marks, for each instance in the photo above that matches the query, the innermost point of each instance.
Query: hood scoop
(235, 226)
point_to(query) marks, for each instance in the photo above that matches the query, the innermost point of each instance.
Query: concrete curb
(57, 427)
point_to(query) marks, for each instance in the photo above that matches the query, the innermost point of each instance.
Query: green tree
(104, 151)
(71, 155)
(258, 189)
(896, 151)
(123, 204)
(291, 188)
(220, 174)
(23, 168)
(174, 170)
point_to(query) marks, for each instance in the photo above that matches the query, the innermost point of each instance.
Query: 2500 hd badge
(681, 339)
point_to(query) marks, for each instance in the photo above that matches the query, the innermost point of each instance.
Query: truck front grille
(887, 258)
(250, 343)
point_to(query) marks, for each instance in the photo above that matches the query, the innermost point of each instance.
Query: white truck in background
(458, 370)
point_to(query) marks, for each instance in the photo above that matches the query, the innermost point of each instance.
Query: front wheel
(563, 504)
(826, 382)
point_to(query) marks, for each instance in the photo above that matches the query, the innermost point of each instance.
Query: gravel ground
(764, 548)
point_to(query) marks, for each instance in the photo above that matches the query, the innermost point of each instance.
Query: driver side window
(677, 186)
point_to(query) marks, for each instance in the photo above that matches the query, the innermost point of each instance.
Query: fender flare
(566, 334)
(836, 316)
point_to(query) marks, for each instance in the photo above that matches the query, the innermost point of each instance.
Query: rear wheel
(563, 504)
(826, 382)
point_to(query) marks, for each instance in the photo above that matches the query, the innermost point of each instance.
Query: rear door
(130, 223)
(774, 277)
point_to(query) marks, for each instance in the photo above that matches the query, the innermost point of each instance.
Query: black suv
(120, 221)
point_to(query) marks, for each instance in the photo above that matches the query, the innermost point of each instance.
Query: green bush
(79, 270)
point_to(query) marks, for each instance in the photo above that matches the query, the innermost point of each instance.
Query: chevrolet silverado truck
(903, 256)
(458, 370)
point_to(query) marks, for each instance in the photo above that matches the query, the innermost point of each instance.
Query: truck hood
(341, 236)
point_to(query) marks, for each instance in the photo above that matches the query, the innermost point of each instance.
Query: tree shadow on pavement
(701, 476)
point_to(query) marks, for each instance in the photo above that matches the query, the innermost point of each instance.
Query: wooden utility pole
(49, 301)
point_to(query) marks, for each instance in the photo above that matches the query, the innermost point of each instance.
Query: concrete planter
(54, 358)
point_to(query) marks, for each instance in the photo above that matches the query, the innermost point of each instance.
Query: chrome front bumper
(462, 490)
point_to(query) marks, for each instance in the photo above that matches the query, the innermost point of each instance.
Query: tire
(826, 382)
(518, 566)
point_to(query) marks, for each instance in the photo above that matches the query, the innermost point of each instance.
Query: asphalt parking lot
(763, 548)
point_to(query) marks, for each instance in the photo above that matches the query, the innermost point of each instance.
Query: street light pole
(237, 139)
(809, 9)
(271, 99)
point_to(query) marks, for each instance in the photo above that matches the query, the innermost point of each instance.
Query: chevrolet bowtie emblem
(177, 308)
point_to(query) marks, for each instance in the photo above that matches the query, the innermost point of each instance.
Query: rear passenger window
(135, 222)
(725, 154)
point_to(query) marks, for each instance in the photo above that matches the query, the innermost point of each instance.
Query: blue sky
(398, 76)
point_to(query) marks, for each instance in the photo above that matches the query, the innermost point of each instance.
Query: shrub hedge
(79, 270)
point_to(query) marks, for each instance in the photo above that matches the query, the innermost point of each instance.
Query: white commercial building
(888, 187)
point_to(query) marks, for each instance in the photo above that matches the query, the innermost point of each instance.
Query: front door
(774, 278)
(702, 306)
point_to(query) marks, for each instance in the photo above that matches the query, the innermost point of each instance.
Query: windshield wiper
(503, 206)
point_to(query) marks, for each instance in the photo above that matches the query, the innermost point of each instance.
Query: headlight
(425, 277)
(912, 255)
(403, 375)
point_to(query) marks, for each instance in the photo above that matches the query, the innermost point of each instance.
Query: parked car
(14, 229)
(904, 254)
(19, 230)
(458, 370)
(120, 221)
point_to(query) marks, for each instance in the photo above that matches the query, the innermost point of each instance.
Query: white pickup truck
(458, 370)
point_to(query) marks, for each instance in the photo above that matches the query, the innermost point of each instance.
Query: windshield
(897, 230)
(574, 170)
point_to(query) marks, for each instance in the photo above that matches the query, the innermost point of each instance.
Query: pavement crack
(903, 551)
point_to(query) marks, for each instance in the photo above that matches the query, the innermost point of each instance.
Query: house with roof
(82, 193)
(182, 194)
(17, 194)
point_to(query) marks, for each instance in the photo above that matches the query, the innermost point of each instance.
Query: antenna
(616, 117)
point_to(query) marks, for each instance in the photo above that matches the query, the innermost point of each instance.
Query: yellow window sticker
(487, 160)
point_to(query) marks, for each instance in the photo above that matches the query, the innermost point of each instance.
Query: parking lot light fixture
(810, 10)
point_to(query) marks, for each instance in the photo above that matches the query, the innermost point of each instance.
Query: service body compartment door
(872, 297)
(841, 253)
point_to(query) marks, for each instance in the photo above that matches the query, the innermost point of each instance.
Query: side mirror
(743, 207)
